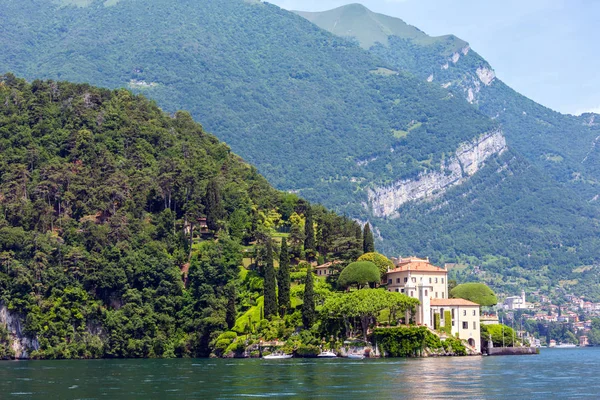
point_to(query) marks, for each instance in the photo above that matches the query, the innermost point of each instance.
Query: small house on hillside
(326, 269)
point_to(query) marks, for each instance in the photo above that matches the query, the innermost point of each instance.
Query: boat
(327, 354)
(277, 356)
(565, 346)
(356, 356)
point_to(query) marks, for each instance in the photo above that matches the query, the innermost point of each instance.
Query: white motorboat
(356, 356)
(565, 346)
(327, 354)
(277, 356)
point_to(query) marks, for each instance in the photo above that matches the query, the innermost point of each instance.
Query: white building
(419, 279)
(516, 302)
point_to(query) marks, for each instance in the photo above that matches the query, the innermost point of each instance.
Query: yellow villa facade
(419, 279)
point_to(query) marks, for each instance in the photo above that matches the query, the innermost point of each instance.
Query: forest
(129, 232)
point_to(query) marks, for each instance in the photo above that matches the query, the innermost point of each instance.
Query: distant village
(576, 313)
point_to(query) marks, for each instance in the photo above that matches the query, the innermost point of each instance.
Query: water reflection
(555, 373)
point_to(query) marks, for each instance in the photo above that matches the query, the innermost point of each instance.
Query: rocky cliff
(469, 158)
(20, 344)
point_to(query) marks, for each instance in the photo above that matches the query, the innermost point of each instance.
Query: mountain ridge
(378, 28)
(533, 129)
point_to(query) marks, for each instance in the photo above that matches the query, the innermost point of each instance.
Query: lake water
(555, 373)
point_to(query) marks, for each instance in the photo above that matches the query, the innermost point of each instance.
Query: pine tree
(231, 313)
(269, 283)
(283, 279)
(368, 242)
(309, 232)
(308, 308)
(213, 205)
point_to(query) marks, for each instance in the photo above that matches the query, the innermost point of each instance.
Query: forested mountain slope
(562, 145)
(100, 199)
(316, 114)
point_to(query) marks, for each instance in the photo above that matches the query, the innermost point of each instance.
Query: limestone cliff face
(469, 158)
(21, 345)
(486, 75)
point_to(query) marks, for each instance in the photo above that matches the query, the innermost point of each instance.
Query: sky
(548, 50)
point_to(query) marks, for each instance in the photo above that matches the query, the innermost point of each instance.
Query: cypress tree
(308, 307)
(213, 205)
(358, 233)
(283, 279)
(368, 242)
(231, 312)
(269, 283)
(309, 231)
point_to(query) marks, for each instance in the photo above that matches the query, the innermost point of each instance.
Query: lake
(555, 373)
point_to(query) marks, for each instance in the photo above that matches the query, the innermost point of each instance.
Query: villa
(419, 279)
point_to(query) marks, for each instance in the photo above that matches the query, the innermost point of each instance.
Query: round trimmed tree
(382, 262)
(359, 273)
(478, 293)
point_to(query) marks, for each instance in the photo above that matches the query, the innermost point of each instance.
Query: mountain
(368, 28)
(322, 117)
(102, 199)
(564, 146)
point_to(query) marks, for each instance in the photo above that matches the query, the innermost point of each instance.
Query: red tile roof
(452, 302)
(420, 266)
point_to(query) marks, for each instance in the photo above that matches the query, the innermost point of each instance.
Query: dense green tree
(501, 335)
(309, 232)
(478, 293)
(360, 273)
(382, 262)
(368, 241)
(308, 305)
(283, 279)
(364, 306)
(270, 284)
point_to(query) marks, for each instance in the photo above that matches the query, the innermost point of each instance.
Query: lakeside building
(516, 302)
(418, 278)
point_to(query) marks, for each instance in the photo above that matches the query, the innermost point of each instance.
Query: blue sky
(548, 50)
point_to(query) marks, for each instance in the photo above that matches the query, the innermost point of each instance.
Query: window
(411, 293)
(442, 312)
(442, 280)
(389, 281)
(474, 325)
(436, 295)
(429, 280)
(464, 313)
(425, 292)
(474, 312)
(405, 280)
(435, 280)
(397, 290)
(414, 280)
(397, 279)
(453, 313)
(452, 322)
(401, 290)
(465, 325)
(442, 295)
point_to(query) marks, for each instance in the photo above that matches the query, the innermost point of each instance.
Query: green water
(555, 373)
